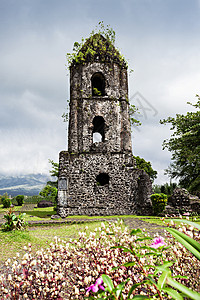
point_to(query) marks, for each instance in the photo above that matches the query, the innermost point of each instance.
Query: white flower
(9, 277)
(25, 256)
(33, 262)
(103, 225)
(41, 274)
(76, 291)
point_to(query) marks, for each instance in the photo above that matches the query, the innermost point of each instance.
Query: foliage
(166, 188)
(20, 199)
(159, 201)
(126, 263)
(13, 222)
(96, 92)
(6, 201)
(100, 42)
(49, 192)
(189, 243)
(132, 112)
(184, 145)
(55, 168)
(54, 173)
(142, 164)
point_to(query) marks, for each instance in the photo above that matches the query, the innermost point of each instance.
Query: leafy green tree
(55, 167)
(142, 164)
(20, 199)
(166, 188)
(49, 192)
(54, 173)
(184, 145)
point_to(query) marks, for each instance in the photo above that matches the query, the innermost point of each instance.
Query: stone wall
(80, 193)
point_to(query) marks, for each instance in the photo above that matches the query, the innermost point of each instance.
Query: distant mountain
(28, 185)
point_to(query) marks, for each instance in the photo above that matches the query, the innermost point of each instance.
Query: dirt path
(151, 228)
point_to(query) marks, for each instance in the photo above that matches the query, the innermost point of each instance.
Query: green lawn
(14, 241)
(40, 236)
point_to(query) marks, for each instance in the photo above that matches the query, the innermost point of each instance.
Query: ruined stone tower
(97, 175)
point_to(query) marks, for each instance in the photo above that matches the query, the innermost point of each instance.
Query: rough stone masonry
(97, 175)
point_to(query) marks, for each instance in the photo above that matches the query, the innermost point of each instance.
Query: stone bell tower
(97, 175)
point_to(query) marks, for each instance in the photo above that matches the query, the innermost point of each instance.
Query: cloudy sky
(159, 38)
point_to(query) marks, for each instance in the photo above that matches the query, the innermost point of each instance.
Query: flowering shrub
(158, 276)
(107, 259)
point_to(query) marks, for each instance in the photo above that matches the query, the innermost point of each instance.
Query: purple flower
(158, 242)
(95, 287)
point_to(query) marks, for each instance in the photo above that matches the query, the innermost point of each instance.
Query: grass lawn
(14, 241)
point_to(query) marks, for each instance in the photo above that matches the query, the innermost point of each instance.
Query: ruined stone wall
(113, 106)
(80, 194)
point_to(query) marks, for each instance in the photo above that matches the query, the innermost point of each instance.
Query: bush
(159, 201)
(20, 199)
(6, 202)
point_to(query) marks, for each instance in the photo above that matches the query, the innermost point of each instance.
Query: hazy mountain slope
(23, 185)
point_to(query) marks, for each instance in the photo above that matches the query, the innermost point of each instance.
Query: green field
(40, 235)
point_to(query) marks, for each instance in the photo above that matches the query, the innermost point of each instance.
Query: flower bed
(74, 269)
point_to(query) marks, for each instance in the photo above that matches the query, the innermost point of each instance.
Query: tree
(184, 145)
(55, 167)
(54, 173)
(142, 164)
(166, 188)
(49, 192)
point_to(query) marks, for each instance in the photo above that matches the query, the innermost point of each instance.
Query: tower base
(102, 184)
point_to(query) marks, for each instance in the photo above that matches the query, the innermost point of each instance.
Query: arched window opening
(98, 84)
(102, 179)
(98, 129)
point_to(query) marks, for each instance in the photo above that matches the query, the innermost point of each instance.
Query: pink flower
(158, 242)
(95, 287)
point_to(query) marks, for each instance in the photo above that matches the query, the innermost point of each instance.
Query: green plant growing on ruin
(96, 92)
(94, 46)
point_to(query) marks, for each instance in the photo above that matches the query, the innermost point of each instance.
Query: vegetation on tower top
(99, 47)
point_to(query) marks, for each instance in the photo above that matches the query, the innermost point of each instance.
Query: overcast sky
(159, 38)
